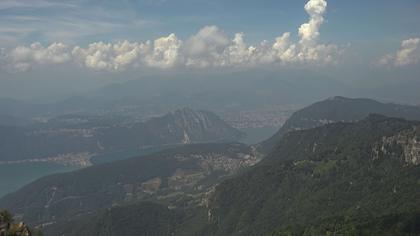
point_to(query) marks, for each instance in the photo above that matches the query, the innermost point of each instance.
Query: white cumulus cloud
(209, 47)
(206, 47)
(408, 54)
(23, 58)
(309, 32)
(165, 52)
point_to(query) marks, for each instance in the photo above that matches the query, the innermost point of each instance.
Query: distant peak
(338, 98)
(346, 99)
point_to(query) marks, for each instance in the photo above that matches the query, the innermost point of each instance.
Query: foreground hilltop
(8, 226)
(343, 177)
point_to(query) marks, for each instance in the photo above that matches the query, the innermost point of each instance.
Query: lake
(256, 135)
(14, 176)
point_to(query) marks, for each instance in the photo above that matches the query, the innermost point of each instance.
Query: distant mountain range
(165, 94)
(75, 136)
(333, 169)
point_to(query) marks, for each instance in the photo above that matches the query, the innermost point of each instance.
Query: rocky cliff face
(10, 228)
(404, 146)
(190, 126)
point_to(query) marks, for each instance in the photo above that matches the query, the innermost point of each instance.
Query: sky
(42, 39)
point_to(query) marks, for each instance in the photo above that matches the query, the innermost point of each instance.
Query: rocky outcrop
(189, 126)
(404, 146)
(9, 228)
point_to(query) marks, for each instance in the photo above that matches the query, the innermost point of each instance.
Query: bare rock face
(152, 185)
(190, 126)
(404, 146)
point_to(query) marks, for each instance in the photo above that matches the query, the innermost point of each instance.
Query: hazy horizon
(52, 50)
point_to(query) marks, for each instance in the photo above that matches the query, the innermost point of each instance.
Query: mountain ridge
(339, 109)
(320, 173)
(77, 138)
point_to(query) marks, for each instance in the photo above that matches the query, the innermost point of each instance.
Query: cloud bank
(210, 47)
(408, 54)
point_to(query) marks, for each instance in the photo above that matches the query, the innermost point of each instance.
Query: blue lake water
(14, 176)
(256, 135)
